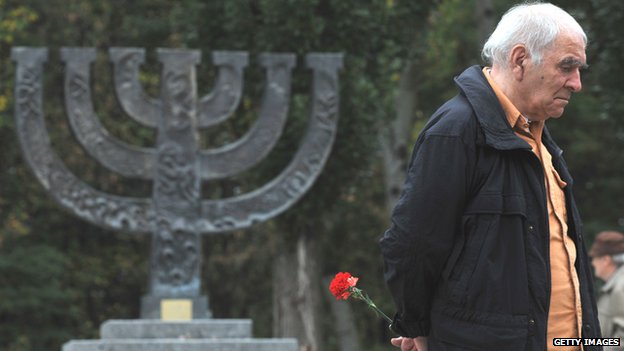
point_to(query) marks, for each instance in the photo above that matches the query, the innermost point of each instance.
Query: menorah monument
(176, 215)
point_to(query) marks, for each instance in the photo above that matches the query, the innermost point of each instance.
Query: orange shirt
(565, 314)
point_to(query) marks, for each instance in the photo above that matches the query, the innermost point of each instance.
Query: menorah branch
(175, 214)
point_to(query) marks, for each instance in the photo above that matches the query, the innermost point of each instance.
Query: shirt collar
(515, 119)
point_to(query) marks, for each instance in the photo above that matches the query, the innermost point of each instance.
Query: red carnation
(341, 286)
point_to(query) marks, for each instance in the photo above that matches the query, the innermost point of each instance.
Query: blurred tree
(14, 20)
(33, 303)
(32, 297)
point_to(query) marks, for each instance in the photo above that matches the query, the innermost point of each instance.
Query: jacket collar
(493, 121)
(490, 114)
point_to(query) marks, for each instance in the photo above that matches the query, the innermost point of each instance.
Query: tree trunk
(484, 15)
(296, 293)
(395, 139)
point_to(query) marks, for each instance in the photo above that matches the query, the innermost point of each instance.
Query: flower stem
(359, 294)
(381, 313)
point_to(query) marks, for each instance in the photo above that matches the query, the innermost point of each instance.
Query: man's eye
(567, 69)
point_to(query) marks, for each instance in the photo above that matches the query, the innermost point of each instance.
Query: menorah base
(174, 308)
(195, 335)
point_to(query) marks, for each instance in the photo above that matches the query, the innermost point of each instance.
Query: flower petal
(352, 281)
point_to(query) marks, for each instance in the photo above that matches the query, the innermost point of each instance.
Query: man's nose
(574, 83)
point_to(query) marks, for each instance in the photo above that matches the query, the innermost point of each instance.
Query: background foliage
(60, 278)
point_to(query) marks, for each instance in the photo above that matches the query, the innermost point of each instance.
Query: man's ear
(519, 58)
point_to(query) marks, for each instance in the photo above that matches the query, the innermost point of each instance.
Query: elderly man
(607, 254)
(485, 251)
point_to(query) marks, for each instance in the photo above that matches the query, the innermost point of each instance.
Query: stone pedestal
(193, 335)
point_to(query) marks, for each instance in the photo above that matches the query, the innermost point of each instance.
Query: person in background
(485, 251)
(607, 255)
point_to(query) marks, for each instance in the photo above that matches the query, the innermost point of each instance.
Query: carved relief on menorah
(176, 215)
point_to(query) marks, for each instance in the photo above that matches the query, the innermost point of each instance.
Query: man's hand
(410, 344)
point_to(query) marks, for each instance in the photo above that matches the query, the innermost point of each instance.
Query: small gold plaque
(176, 310)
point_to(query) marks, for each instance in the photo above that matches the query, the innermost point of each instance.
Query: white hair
(534, 25)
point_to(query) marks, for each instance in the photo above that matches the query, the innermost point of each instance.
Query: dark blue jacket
(467, 255)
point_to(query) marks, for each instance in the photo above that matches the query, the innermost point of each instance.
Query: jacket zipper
(540, 171)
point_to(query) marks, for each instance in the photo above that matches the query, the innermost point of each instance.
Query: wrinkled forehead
(567, 49)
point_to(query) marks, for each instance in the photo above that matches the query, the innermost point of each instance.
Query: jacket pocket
(497, 203)
(488, 227)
